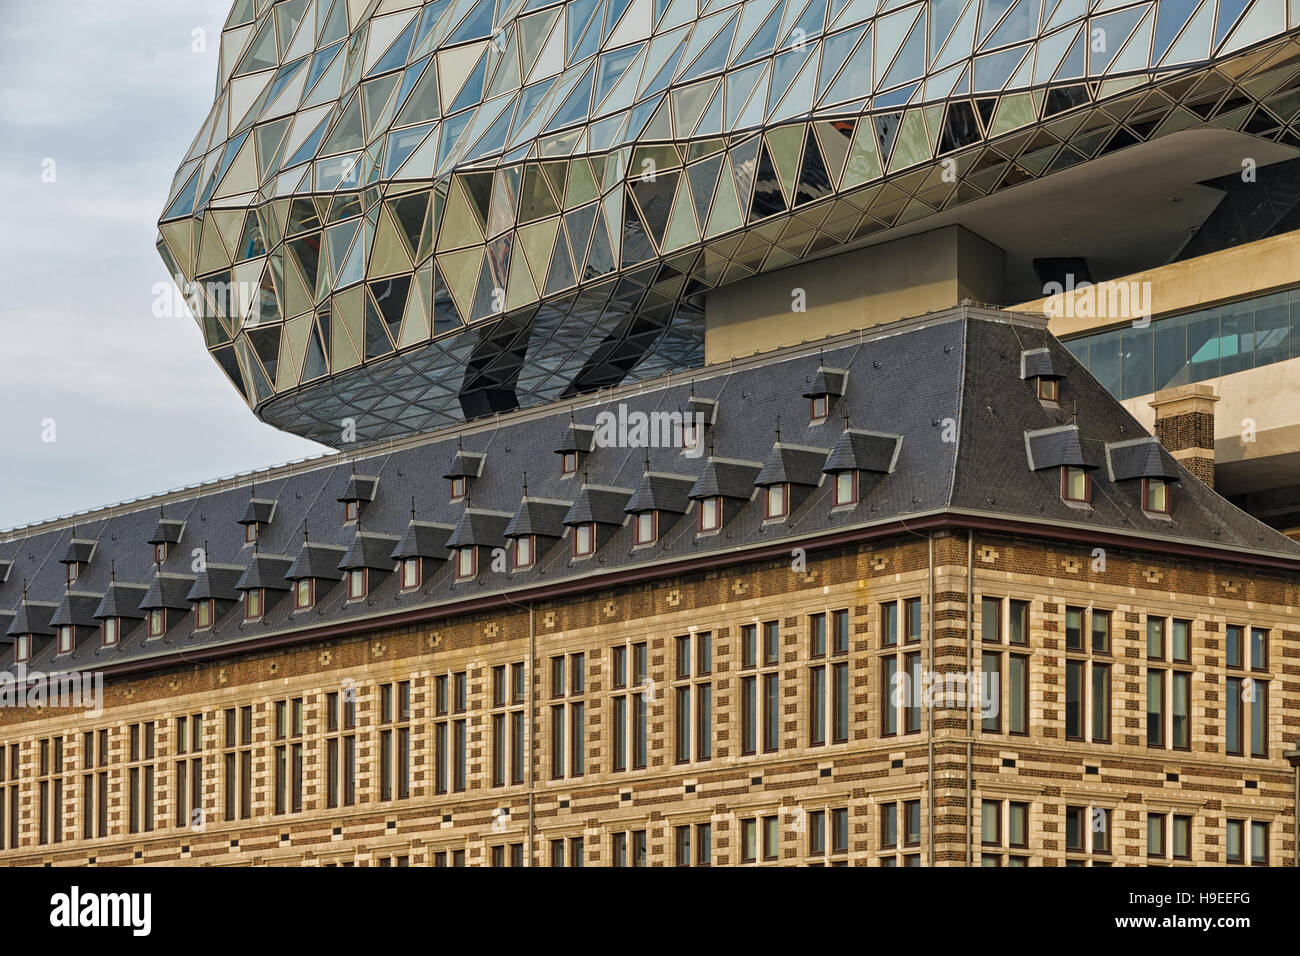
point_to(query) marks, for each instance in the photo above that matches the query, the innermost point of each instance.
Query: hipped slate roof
(1037, 363)
(218, 581)
(598, 504)
(316, 560)
(77, 609)
(480, 529)
(538, 516)
(167, 531)
(360, 488)
(859, 450)
(122, 600)
(464, 464)
(792, 464)
(369, 550)
(79, 551)
(961, 458)
(424, 539)
(33, 617)
(726, 478)
(1139, 458)
(168, 591)
(1054, 447)
(265, 571)
(827, 381)
(259, 511)
(660, 492)
(575, 437)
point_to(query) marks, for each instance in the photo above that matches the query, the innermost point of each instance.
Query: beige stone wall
(869, 770)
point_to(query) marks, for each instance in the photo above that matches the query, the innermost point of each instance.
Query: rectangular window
(340, 748)
(646, 527)
(1156, 835)
(710, 514)
(287, 756)
(584, 540)
(1236, 841)
(846, 489)
(1155, 708)
(412, 573)
(776, 501)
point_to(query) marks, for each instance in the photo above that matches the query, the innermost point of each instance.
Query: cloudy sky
(113, 92)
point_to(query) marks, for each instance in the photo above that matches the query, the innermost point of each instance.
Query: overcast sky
(113, 93)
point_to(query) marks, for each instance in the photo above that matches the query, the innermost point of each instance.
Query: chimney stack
(1185, 426)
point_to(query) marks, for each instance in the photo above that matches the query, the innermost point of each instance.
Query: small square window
(710, 514)
(157, 622)
(647, 524)
(846, 488)
(253, 604)
(466, 562)
(584, 540)
(67, 638)
(1076, 485)
(776, 501)
(1049, 389)
(357, 581)
(304, 593)
(524, 552)
(1155, 495)
(411, 574)
(820, 407)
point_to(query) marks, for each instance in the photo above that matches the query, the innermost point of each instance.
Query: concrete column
(1185, 426)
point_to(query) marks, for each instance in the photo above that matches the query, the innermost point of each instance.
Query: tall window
(94, 786)
(1246, 654)
(576, 851)
(1169, 683)
(900, 833)
(1087, 833)
(1088, 674)
(10, 784)
(49, 775)
(187, 789)
(1004, 624)
(507, 724)
(340, 749)
(395, 740)
(287, 754)
(693, 696)
(450, 732)
(237, 763)
(710, 515)
(900, 670)
(1076, 484)
(760, 686)
(693, 844)
(828, 677)
(760, 838)
(628, 715)
(776, 502)
(828, 837)
(1247, 840)
(1004, 833)
(141, 777)
(568, 715)
(628, 848)
(1169, 833)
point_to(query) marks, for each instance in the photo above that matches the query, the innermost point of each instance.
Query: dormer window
(254, 601)
(412, 574)
(157, 621)
(358, 583)
(74, 570)
(110, 631)
(23, 647)
(584, 540)
(304, 593)
(67, 638)
(160, 552)
(846, 488)
(466, 563)
(1076, 484)
(525, 552)
(1155, 495)
(204, 613)
(350, 511)
(647, 527)
(710, 514)
(820, 408)
(776, 501)
(457, 488)
(569, 463)
(1049, 389)
(250, 532)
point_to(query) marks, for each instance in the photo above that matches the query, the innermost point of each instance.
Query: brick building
(521, 644)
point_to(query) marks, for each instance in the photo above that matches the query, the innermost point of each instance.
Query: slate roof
(1061, 445)
(792, 464)
(859, 450)
(360, 488)
(538, 516)
(575, 437)
(370, 550)
(480, 529)
(168, 591)
(266, 572)
(1139, 458)
(827, 381)
(962, 453)
(33, 617)
(78, 609)
(317, 560)
(122, 600)
(464, 464)
(660, 492)
(167, 531)
(79, 551)
(216, 581)
(1037, 363)
(259, 511)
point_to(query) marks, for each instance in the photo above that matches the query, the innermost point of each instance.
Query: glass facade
(1194, 346)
